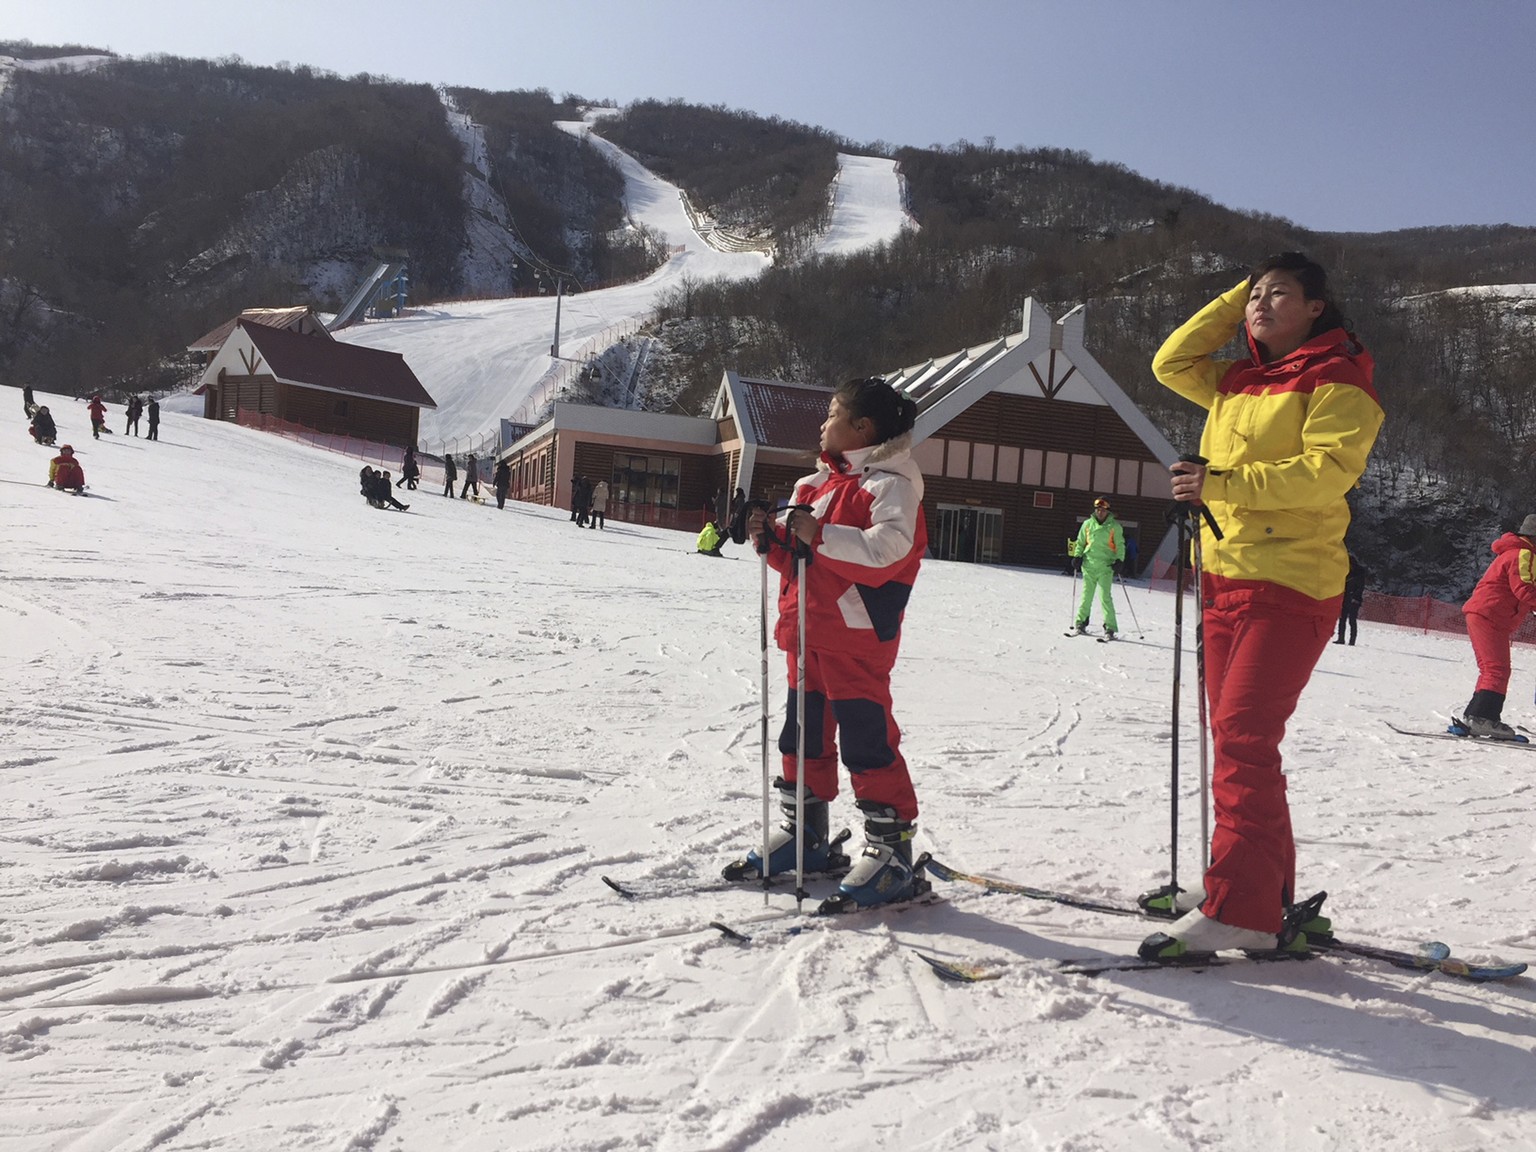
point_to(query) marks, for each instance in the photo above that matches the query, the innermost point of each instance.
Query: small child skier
(64, 471)
(1501, 600)
(859, 520)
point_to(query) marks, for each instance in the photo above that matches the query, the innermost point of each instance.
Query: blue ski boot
(883, 873)
(822, 852)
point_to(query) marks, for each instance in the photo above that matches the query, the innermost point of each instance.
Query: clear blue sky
(1360, 115)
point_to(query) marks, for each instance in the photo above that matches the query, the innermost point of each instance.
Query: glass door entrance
(973, 535)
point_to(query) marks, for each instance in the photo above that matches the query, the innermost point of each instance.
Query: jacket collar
(1332, 339)
(863, 459)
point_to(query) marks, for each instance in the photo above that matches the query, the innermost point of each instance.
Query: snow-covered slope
(481, 360)
(866, 206)
(305, 807)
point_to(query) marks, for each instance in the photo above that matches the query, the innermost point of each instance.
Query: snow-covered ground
(480, 360)
(305, 807)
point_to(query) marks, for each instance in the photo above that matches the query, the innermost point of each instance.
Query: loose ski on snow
(1456, 733)
(1432, 956)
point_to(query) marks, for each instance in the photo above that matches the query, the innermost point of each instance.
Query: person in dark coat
(502, 483)
(153, 411)
(471, 476)
(380, 492)
(135, 410)
(43, 430)
(28, 405)
(450, 474)
(581, 501)
(1354, 596)
(410, 471)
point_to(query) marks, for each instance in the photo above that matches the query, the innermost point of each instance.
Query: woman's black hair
(1314, 286)
(871, 398)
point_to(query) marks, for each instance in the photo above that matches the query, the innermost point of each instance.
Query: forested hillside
(147, 200)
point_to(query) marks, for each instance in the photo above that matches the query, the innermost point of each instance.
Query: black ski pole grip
(1205, 513)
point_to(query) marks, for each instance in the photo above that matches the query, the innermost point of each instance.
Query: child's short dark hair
(871, 398)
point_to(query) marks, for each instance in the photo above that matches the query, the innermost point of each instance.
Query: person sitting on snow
(64, 471)
(711, 539)
(43, 429)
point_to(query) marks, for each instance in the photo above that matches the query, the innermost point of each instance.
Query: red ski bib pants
(1262, 641)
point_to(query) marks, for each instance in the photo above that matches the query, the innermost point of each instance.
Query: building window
(646, 479)
(1081, 476)
(341, 408)
(981, 462)
(957, 462)
(1055, 470)
(1008, 465)
(1130, 477)
(1034, 463)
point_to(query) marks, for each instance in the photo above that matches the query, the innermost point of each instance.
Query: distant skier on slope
(1289, 432)
(865, 536)
(1099, 556)
(1502, 600)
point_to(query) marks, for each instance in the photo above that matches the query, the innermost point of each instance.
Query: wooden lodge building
(1015, 438)
(282, 365)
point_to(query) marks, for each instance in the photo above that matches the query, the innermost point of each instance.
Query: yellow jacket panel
(1286, 442)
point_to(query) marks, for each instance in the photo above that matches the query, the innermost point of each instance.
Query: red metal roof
(331, 366)
(785, 415)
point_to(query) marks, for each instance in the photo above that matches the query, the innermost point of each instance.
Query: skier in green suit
(1100, 554)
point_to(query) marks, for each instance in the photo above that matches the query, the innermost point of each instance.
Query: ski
(1456, 732)
(1431, 956)
(794, 925)
(648, 888)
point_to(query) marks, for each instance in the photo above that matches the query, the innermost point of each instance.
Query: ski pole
(1182, 521)
(1131, 606)
(1072, 563)
(801, 559)
(762, 615)
(1199, 560)
(1205, 770)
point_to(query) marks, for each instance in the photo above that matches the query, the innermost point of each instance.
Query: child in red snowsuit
(859, 521)
(1501, 600)
(64, 471)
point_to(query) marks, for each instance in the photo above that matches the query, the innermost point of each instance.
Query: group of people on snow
(65, 472)
(1289, 429)
(378, 490)
(589, 503)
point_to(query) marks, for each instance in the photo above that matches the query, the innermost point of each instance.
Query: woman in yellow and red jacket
(1289, 432)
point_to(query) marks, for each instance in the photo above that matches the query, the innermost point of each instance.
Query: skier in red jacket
(860, 517)
(1501, 600)
(98, 417)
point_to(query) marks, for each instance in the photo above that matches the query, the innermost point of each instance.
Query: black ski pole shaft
(762, 609)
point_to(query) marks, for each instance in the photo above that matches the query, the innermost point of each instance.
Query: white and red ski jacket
(870, 540)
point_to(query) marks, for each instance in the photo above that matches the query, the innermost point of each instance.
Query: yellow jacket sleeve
(1184, 362)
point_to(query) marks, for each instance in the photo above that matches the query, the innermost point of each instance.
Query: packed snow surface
(480, 360)
(306, 807)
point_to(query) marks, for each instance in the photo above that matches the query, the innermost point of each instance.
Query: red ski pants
(1261, 644)
(850, 695)
(1490, 644)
